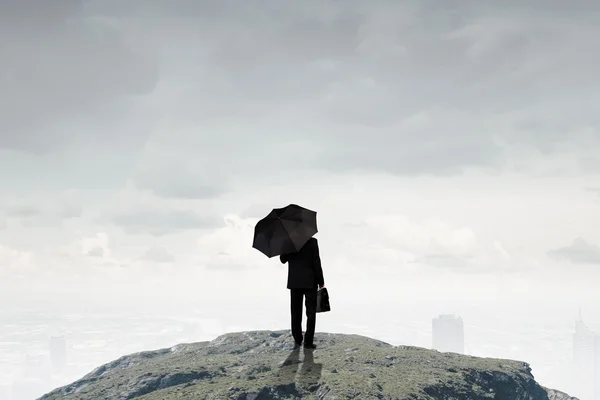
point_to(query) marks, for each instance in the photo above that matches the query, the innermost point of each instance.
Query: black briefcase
(323, 300)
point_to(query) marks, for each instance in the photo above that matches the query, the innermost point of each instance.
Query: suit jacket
(304, 267)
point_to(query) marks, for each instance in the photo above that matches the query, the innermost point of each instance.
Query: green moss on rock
(262, 365)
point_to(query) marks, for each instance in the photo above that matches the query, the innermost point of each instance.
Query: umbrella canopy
(285, 230)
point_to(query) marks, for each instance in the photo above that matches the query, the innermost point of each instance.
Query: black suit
(304, 274)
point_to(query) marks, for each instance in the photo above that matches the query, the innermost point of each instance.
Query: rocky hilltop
(263, 365)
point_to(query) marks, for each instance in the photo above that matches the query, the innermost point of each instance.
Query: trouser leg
(296, 310)
(311, 314)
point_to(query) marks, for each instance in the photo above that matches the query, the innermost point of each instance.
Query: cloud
(225, 261)
(433, 238)
(595, 190)
(11, 259)
(95, 252)
(395, 242)
(159, 255)
(179, 187)
(172, 172)
(579, 252)
(591, 164)
(80, 256)
(253, 96)
(23, 211)
(63, 70)
(95, 246)
(409, 88)
(245, 93)
(74, 110)
(45, 214)
(444, 261)
(162, 222)
(256, 211)
(230, 246)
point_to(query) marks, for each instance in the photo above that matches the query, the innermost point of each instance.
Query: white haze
(452, 154)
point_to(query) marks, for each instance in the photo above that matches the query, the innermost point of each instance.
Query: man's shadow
(309, 373)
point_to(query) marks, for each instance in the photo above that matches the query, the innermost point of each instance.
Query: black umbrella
(285, 230)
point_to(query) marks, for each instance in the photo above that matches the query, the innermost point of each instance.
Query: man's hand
(321, 286)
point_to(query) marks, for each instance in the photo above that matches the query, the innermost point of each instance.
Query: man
(304, 274)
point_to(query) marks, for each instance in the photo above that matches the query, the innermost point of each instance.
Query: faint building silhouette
(448, 334)
(597, 369)
(586, 357)
(6, 391)
(58, 352)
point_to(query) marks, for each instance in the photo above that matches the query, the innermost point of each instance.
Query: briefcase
(323, 300)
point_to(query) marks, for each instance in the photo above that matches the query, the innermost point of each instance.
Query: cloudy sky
(452, 152)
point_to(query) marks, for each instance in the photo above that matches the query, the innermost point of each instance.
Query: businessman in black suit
(304, 275)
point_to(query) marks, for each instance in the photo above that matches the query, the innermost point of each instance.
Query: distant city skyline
(98, 339)
(58, 352)
(448, 334)
(586, 356)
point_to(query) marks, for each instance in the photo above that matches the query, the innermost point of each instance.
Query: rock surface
(262, 365)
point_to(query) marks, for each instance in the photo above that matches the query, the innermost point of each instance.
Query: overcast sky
(452, 152)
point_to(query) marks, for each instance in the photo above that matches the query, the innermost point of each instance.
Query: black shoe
(297, 344)
(310, 346)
